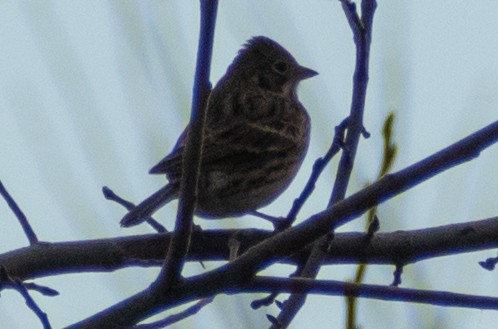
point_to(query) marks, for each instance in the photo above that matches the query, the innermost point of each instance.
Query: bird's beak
(305, 73)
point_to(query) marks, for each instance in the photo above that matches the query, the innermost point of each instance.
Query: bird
(256, 135)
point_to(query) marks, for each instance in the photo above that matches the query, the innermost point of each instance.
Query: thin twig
(266, 301)
(277, 222)
(111, 195)
(30, 302)
(318, 167)
(489, 264)
(7, 282)
(390, 293)
(44, 290)
(194, 309)
(373, 224)
(362, 36)
(397, 275)
(28, 230)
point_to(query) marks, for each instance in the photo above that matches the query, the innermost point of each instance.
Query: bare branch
(339, 288)
(173, 265)
(397, 275)
(44, 290)
(290, 240)
(346, 248)
(28, 230)
(7, 282)
(177, 317)
(32, 304)
(362, 36)
(318, 167)
(268, 300)
(110, 195)
(489, 264)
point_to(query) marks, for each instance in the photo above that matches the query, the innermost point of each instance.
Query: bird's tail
(149, 206)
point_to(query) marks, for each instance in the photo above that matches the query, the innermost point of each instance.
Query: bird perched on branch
(256, 135)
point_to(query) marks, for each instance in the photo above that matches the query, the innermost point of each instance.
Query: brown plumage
(255, 137)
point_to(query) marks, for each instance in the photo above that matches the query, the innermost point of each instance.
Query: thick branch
(291, 240)
(400, 247)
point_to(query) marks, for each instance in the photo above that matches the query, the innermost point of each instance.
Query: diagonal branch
(30, 302)
(7, 282)
(339, 288)
(178, 248)
(362, 35)
(28, 230)
(318, 167)
(110, 195)
(196, 308)
(289, 241)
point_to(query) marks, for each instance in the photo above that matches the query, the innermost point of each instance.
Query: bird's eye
(280, 67)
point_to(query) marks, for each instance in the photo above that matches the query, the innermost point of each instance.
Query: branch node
(277, 222)
(266, 301)
(373, 228)
(318, 167)
(112, 196)
(489, 264)
(274, 321)
(7, 281)
(397, 275)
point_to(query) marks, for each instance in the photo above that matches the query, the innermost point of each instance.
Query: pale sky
(94, 93)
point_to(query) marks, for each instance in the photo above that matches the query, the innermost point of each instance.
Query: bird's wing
(172, 163)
